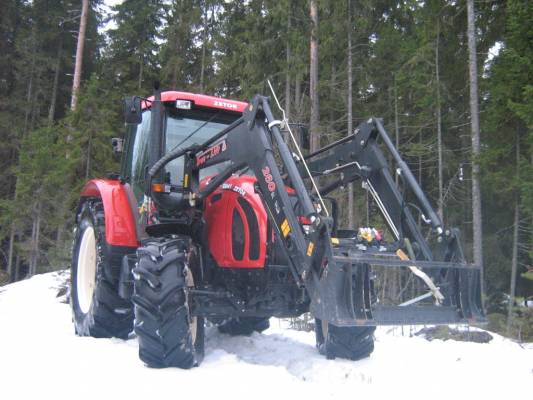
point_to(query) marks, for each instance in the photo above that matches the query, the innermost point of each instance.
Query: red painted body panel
(218, 213)
(201, 100)
(120, 229)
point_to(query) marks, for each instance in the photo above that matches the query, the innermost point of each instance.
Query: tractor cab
(186, 119)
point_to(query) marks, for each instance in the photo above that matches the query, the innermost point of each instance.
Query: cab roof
(201, 100)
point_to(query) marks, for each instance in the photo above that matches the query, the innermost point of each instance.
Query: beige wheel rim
(86, 273)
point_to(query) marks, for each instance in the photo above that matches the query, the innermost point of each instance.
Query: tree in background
(132, 61)
(477, 227)
(79, 54)
(507, 161)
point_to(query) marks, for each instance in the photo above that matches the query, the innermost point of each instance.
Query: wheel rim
(86, 273)
(193, 321)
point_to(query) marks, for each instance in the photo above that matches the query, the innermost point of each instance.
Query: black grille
(237, 236)
(253, 227)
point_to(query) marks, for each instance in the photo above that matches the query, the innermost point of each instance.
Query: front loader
(214, 218)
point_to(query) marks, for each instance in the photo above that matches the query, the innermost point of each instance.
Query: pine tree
(133, 55)
(506, 162)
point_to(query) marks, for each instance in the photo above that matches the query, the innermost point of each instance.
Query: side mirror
(118, 145)
(132, 110)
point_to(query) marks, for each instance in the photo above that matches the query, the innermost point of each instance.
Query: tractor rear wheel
(97, 309)
(244, 325)
(169, 336)
(352, 343)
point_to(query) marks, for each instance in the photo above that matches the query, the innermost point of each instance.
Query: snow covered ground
(40, 357)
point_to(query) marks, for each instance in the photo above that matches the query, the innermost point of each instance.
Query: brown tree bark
(79, 55)
(313, 72)
(476, 148)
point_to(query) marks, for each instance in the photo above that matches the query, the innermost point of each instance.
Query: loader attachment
(444, 288)
(345, 292)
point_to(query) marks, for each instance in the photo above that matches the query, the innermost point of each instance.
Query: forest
(452, 80)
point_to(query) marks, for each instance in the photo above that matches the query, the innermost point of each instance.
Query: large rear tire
(244, 325)
(169, 336)
(352, 343)
(97, 309)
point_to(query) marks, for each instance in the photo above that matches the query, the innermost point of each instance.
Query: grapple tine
(470, 295)
(361, 291)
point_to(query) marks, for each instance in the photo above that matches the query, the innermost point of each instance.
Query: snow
(41, 357)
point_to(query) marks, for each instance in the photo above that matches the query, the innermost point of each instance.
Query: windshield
(187, 127)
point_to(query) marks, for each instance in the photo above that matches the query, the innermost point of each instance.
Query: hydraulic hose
(168, 158)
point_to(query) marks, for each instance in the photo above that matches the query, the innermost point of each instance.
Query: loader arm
(336, 278)
(359, 156)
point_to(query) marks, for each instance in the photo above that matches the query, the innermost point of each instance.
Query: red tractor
(214, 218)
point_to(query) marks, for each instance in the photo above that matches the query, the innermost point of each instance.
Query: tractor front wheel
(169, 336)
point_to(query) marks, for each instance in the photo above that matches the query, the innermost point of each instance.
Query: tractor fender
(120, 226)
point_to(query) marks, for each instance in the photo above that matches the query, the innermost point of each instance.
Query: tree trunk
(351, 224)
(297, 108)
(10, 266)
(287, 72)
(420, 174)
(178, 52)
(297, 97)
(514, 261)
(474, 119)
(514, 267)
(313, 84)
(79, 55)
(17, 266)
(29, 92)
(88, 163)
(332, 85)
(35, 105)
(53, 100)
(37, 238)
(36, 231)
(396, 126)
(32, 243)
(204, 40)
(141, 71)
(440, 205)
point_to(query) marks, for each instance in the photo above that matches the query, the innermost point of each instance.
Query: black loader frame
(334, 272)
